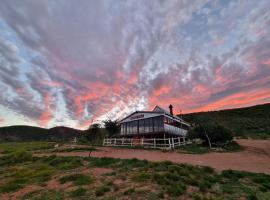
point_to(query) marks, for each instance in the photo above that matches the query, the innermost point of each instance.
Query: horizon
(73, 63)
(59, 125)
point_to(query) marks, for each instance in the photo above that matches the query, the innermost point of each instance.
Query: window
(134, 125)
(122, 129)
(148, 125)
(141, 126)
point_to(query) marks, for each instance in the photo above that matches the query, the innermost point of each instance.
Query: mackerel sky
(73, 62)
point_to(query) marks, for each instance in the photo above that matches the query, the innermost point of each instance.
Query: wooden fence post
(172, 143)
(179, 141)
(154, 142)
(142, 141)
(169, 143)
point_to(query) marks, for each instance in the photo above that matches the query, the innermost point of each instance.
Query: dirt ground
(254, 158)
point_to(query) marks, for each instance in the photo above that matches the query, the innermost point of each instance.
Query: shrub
(100, 191)
(207, 169)
(141, 177)
(44, 195)
(129, 191)
(65, 163)
(204, 185)
(216, 133)
(77, 179)
(103, 162)
(78, 192)
(13, 185)
(176, 189)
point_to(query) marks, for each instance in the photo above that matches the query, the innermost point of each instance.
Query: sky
(79, 62)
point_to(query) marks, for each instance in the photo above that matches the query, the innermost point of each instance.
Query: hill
(247, 122)
(31, 133)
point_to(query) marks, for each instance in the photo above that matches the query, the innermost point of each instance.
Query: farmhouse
(158, 123)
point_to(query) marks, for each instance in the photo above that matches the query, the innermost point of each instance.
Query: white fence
(166, 143)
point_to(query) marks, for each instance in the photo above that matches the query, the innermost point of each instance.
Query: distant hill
(248, 122)
(31, 133)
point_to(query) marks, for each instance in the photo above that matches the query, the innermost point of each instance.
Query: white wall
(174, 130)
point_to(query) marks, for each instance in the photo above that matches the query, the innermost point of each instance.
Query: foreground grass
(126, 178)
(11, 147)
(193, 149)
(75, 149)
(202, 149)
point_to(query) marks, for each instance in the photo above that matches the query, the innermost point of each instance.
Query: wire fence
(157, 143)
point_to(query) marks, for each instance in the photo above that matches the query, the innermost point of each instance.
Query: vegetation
(112, 127)
(94, 135)
(133, 178)
(31, 133)
(193, 148)
(212, 134)
(78, 192)
(24, 146)
(77, 179)
(75, 149)
(251, 122)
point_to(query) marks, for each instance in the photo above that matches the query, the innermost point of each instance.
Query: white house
(153, 124)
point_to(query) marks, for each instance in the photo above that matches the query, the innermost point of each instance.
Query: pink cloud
(47, 114)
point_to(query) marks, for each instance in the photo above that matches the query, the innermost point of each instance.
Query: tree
(211, 133)
(112, 127)
(93, 132)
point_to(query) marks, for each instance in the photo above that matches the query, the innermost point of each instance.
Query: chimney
(171, 109)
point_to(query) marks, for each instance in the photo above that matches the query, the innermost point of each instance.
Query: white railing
(158, 143)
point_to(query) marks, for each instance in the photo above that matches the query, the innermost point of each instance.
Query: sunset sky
(73, 62)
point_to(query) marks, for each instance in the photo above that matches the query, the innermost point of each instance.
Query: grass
(80, 191)
(12, 147)
(202, 149)
(77, 179)
(100, 191)
(193, 149)
(21, 168)
(137, 179)
(64, 163)
(44, 195)
(75, 149)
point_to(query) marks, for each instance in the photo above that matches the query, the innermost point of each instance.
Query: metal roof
(159, 110)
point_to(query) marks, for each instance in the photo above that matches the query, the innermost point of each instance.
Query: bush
(64, 163)
(77, 179)
(216, 133)
(78, 192)
(176, 189)
(141, 177)
(100, 191)
(103, 162)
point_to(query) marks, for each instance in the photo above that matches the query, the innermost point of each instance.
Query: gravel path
(254, 158)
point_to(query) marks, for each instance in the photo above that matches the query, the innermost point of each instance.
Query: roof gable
(159, 109)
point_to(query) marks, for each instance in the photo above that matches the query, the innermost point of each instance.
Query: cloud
(106, 59)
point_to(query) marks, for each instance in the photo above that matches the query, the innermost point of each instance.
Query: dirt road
(254, 158)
